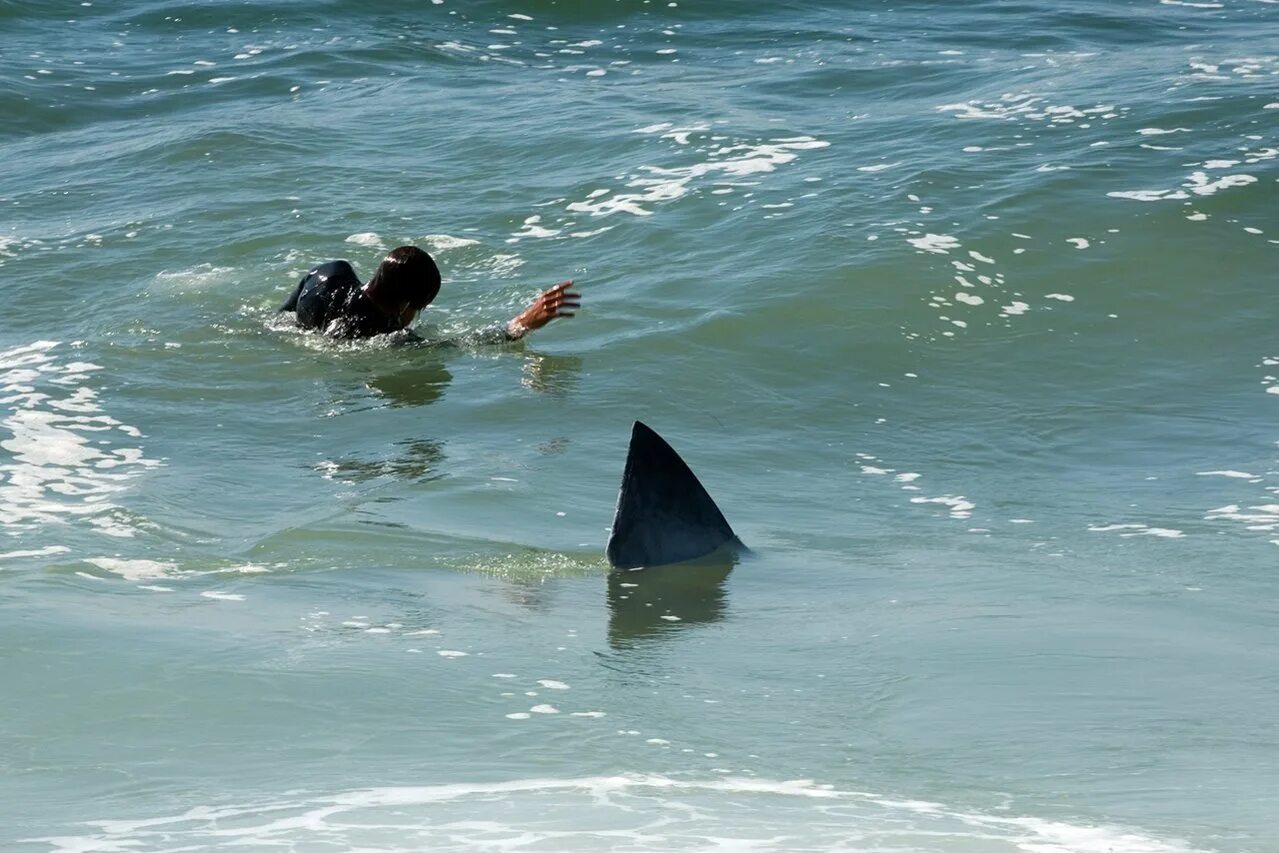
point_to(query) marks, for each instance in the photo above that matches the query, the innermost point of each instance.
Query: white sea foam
(643, 812)
(939, 244)
(1201, 184)
(723, 160)
(197, 278)
(218, 595)
(444, 242)
(532, 227)
(36, 552)
(1197, 183)
(959, 506)
(1019, 106)
(1255, 516)
(1148, 195)
(134, 570)
(1128, 530)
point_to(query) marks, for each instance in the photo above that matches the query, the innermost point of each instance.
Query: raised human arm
(291, 304)
(554, 302)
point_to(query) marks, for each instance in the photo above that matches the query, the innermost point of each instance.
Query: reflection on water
(551, 374)
(417, 461)
(658, 601)
(530, 593)
(419, 385)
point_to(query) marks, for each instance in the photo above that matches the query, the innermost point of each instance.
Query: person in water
(331, 298)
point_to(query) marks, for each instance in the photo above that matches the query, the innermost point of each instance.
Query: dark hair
(407, 275)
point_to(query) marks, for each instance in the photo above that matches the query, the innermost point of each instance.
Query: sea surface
(965, 313)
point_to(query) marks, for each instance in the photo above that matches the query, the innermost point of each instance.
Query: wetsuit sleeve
(498, 333)
(328, 295)
(291, 304)
(487, 336)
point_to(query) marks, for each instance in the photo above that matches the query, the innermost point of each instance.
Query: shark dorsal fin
(664, 515)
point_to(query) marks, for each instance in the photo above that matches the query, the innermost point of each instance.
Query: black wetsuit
(330, 298)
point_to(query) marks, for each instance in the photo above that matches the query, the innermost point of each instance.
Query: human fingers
(558, 300)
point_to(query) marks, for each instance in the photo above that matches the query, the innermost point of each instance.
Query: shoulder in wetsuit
(330, 298)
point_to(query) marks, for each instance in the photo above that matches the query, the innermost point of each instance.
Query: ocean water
(964, 313)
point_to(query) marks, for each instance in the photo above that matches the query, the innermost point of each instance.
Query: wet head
(405, 282)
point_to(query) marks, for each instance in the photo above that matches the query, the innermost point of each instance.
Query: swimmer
(331, 298)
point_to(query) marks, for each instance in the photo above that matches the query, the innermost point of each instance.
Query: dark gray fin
(664, 515)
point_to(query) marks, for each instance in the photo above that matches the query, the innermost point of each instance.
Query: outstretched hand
(557, 301)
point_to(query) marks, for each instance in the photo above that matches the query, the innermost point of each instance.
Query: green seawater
(964, 313)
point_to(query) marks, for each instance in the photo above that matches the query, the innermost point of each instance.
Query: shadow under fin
(664, 515)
